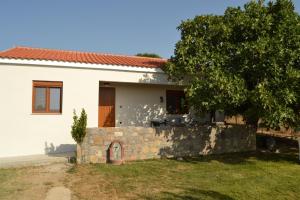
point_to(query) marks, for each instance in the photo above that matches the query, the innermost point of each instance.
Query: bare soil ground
(33, 183)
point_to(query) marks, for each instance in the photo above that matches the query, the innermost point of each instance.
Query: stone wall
(146, 143)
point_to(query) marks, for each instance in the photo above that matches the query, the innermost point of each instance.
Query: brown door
(106, 113)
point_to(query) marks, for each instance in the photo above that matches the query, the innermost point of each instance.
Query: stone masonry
(146, 143)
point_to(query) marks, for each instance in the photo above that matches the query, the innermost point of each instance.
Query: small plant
(79, 126)
(79, 129)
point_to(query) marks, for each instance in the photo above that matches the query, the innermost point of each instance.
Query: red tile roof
(81, 57)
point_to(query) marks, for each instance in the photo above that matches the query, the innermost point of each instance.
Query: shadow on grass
(287, 148)
(245, 158)
(190, 194)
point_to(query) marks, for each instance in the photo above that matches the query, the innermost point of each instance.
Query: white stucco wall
(137, 105)
(24, 133)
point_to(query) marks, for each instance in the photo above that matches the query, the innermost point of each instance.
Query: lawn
(232, 176)
(7, 185)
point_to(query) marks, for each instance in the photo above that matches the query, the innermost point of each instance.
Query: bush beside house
(79, 131)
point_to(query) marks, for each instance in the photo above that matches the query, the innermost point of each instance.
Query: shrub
(79, 126)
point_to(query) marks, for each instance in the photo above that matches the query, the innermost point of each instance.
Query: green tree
(78, 129)
(79, 126)
(150, 55)
(246, 61)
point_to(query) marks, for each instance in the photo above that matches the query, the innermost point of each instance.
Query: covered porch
(139, 104)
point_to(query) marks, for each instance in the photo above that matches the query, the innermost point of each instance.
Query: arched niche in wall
(116, 153)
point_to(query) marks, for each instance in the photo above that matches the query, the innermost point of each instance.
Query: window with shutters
(47, 97)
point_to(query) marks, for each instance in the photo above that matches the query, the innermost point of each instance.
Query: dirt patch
(61, 193)
(98, 186)
(35, 182)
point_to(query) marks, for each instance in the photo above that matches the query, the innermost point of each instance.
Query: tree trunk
(299, 147)
(212, 116)
(79, 154)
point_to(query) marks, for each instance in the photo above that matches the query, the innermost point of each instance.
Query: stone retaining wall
(146, 143)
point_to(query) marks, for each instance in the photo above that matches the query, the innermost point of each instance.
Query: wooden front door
(106, 111)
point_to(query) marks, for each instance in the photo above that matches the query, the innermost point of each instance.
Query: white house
(40, 88)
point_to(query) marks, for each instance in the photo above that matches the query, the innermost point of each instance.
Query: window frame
(178, 111)
(47, 85)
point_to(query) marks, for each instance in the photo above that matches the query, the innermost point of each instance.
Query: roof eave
(50, 63)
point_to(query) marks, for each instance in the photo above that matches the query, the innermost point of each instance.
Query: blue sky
(111, 26)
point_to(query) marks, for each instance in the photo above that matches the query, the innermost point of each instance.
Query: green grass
(232, 176)
(6, 186)
(237, 176)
